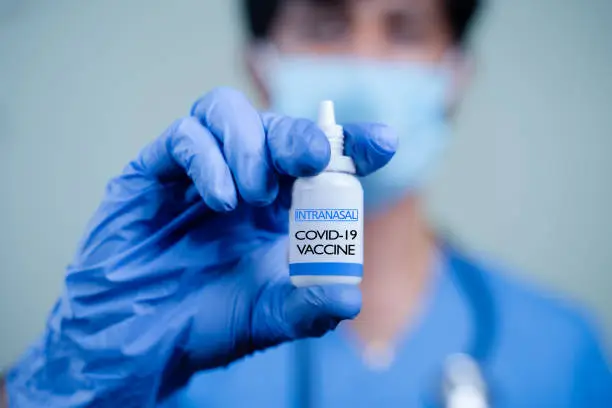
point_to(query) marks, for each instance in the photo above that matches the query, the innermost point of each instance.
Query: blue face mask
(409, 98)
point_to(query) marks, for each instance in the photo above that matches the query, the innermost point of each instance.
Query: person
(179, 293)
(404, 63)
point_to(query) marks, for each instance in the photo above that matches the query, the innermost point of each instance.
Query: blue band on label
(326, 269)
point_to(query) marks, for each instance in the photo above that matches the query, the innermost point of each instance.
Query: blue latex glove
(184, 266)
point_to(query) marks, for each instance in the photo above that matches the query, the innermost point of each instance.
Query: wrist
(53, 373)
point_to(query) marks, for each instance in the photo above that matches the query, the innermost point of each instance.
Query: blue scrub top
(546, 354)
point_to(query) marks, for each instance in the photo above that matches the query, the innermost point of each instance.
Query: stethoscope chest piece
(463, 383)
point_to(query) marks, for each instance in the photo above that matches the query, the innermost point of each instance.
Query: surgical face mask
(410, 98)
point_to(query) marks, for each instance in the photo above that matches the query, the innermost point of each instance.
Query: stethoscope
(463, 380)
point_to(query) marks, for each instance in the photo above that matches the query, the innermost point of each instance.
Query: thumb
(288, 313)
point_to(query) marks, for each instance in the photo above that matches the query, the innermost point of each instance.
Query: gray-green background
(84, 84)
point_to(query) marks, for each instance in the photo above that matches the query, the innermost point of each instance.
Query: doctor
(182, 273)
(403, 63)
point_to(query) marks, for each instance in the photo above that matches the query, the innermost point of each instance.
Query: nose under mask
(409, 98)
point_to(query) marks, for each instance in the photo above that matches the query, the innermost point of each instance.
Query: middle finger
(229, 116)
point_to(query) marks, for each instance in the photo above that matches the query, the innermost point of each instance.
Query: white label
(326, 225)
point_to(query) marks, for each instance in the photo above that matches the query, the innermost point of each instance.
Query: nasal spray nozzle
(333, 131)
(335, 136)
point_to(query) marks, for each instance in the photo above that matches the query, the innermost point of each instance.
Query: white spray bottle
(326, 217)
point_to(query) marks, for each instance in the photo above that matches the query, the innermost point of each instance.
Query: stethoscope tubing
(470, 280)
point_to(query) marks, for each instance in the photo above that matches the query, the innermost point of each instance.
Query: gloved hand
(184, 266)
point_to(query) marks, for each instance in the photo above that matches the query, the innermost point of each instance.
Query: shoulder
(533, 309)
(545, 335)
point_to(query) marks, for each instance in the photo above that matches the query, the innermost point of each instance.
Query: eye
(325, 28)
(404, 28)
(325, 21)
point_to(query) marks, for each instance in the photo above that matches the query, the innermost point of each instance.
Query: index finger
(298, 148)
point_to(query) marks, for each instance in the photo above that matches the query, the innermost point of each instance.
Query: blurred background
(83, 85)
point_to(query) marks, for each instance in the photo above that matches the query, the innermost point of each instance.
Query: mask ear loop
(261, 57)
(460, 67)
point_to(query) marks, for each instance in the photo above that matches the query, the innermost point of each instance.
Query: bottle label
(326, 234)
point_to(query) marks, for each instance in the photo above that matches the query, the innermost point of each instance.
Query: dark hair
(260, 15)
